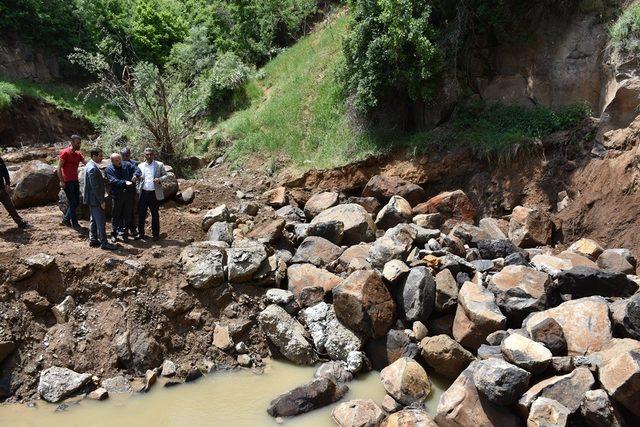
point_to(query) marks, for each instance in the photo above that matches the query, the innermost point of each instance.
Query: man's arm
(95, 178)
(113, 179)
(60, 164)
(162, 172)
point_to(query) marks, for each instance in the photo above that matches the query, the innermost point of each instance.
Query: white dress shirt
(148, 176)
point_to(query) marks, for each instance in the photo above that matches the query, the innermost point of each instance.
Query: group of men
(128, 182)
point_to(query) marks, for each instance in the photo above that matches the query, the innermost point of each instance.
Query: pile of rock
(400, 283)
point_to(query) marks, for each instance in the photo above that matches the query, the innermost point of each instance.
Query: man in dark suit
(120, 175)
(5, 196)
(94, 197)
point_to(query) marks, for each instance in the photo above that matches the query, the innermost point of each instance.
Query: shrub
(8, 93)
(625, 31)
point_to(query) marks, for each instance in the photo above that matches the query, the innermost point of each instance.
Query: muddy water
(237, 399)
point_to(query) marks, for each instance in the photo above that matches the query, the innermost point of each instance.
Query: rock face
(585, 324)
(397, 211)
(203, 264)
(358, 413)
(568, 389)
(462, 405)
(36, 184)
(520, 290)
(358, 224)
(417, 294)
(526, 353)
(451, 205)
(287, 334)
(585, 281)
(477, 316)
(620, 377)
(500, 382)
(445, 355)
(320, 202)
(406, 381)
(385, 187)
(313, 395)
(317, 251)
(530, 227)
(363, 303)
(409, 417)
(56, 383)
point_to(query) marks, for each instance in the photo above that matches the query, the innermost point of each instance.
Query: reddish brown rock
(477, 316)
(451, 205)
(620, 377)
(268, 232)
(384, 187)
(445, 355)
(406, 381)
(409, 417)
(320, 202)
(305, 278)
(276, 197)
(530, 227)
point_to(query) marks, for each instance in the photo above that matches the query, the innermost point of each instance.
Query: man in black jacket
(121, 183)
(5, 196)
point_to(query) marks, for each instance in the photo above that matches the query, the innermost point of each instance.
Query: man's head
(76, 141)
(116, 160)
(126, 154)
(96, 154)
(149, 154)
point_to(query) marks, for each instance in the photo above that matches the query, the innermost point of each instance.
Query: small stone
(336, 370)
(150, 378)
(62, 311)
(244, 360)
(409, 417)
(98, 394)
(446, 292)
(394, 270)
(358, 413)
(451, 205)
(420, 331)
(241, 348)
(546, 412)
(526, 353)
(389, 404)
(40, 261)
(276, 197)
(397, 211)
(320, 202)
(218, 214)
(279, 296)
(169, 368)
(384, 187)
(315, 394)
(222, 338)
(192, 375)
(118, 384)
(431, 221)
(56, 383)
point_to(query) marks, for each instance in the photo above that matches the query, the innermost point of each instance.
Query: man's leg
(93, 229)
(127, 211)
(154, 207)
(116, 217)
(101, 225)
(142, 212)
(5, 199)
(132, 219)
(72, 190)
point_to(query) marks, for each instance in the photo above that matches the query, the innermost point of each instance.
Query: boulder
(98, 394)
(395, 244)
(598, 411)
(409, 417)
(445, 355)
(406, 381)
(56, 383)
(553, 265)
(549, 332)
(35, 303)
(525, 353)
(333, 231)
(397, 211)
(186, 196)
(370, 204)
(477, 316)
(546, 412)
(618, 260)
(357, 253)
(249, 208)
(358, 224)
(269, 231)
(217, 214)
(291, 214)
(287, 334)
(567, 389)
(451, 205)
(530, 227)
(220, 232)
(116, 385)
(363, 303)
(446, 292)
(329, 335)
(358, 413)
(320, 202)
(584, 281)
(169, 368)
(520, 290)
(335, 369)
(146, 352)
(385, 187)
(462, 405)
(626, 316)
(317, 251)
(496, 248)
(430, 221)
(493, 229)
(35, 184)
(304, 279)
(276, 197)
(170, 186)
(244, 259)
(394, 270)
(203, 264)
(620, 377)
(40, 261)
(315, 394)
(587, 247)
(398, 345)
(577, 260)
(416, 295)
(585, 324)
(500, 382)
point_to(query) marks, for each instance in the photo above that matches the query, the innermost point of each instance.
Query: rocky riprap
(390, 280)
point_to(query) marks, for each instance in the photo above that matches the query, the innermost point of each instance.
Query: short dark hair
(95, 151)
(75, 136)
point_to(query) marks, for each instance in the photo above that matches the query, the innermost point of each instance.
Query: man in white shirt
(151, 174)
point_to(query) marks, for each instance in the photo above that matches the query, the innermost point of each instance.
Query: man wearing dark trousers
(125, 153)
(5, 196)
(120, 176)
(70, 159)
(150, 175)
(94, 197)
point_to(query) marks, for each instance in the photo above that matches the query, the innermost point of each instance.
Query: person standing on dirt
(5, 196)
(120, 175)
(94, 197)
(70, 159)
(151, 174)
(125, 153)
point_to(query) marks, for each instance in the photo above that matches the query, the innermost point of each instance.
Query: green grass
(8, 93)
(61, 96)
(625, 31)
(296, 106)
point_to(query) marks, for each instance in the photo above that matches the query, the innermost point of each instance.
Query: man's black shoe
(65, 222)
(155, 238)
(108, 247)
(77, 226)
(24, 225)
(94, 243)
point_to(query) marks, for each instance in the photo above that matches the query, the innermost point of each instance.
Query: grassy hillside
(296, 108)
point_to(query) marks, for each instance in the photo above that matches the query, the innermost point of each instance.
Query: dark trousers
(5, 199)
(72, 191)
(148, 201)
(97, 223)
(121, 212)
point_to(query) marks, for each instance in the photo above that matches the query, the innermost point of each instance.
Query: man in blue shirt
(120, 175)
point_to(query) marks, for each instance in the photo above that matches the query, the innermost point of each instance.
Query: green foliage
(227, 75)
(625, 31)
(8, 93)
(495, 131)
(390, 50)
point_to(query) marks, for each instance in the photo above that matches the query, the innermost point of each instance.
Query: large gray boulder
(315, 394)
(203, 264)
(417, 293)
(328, 334)
(500, 382)
(287, 334)
(568, 390)
(35, 184)
(585, 281)
(244, 258)
(358, 224)
(56, 383)
(395, 244)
